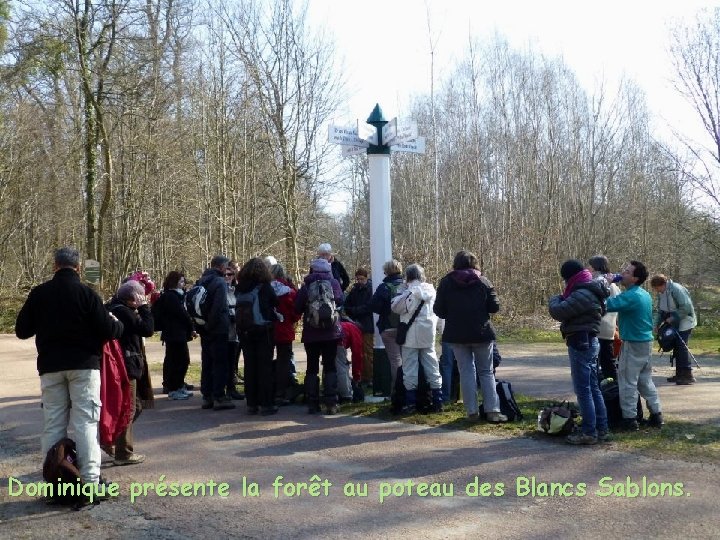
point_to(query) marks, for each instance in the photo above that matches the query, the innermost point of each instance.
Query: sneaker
(133, 459)
(331, 409)
(496, 418)
(581, 438)
(188, 387)
(656, 420)
(267, 411)
(223, 403)
(207, 403)
(179, 394)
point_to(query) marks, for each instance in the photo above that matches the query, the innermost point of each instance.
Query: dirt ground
(361, 478)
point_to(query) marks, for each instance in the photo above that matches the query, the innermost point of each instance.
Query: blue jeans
(584, 372)
(447, 359)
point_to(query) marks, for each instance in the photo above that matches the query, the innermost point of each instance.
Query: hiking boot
(656, 420)
(581, 438)
(223, 403)
(408, 409)
(133, 459)
(331, 409)
(237, 396)
(604, 436)
(495, 417)
(253, 410)
(474, 417)
(629, 424)
(207, 403)
(267, 411)
(685, 377)
(109, 449)
(672, 379)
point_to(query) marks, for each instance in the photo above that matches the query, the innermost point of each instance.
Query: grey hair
(218, 261)
(415, 272)
(67, 257)
(129, 289)
(277, 271)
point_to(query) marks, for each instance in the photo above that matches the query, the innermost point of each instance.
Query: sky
(385, 44)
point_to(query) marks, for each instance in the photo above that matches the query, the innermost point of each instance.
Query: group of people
(254, 310)
(589, 309)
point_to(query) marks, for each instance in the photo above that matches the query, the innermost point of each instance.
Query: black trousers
(214, 368)
(175, 364)
(606, 360)
(257, 349)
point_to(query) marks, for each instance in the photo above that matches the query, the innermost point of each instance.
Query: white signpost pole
(380, 232)
(378, 139)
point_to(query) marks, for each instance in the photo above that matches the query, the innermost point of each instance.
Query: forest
(153, 134)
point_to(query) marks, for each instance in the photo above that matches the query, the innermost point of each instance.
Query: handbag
(403, 327)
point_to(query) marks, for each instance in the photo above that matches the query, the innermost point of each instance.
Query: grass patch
(678, 439)
(10, 304)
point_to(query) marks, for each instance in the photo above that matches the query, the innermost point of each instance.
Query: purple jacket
(310, 334)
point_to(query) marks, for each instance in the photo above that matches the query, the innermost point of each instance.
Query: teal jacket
(635, 314)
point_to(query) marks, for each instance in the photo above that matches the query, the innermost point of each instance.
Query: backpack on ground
(195, 303)
(393, 318)
(321, 311)
(61, 467)
(611, 396)
(508, 405)
(557, 419)
(248, 316)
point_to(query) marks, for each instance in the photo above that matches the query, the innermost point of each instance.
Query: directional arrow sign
(353, 150)
(405, 132)
(367, 132)
(389, 131)
(416, 146)
(347, 135)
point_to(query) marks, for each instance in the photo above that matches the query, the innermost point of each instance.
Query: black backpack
(667, 337)
(508, 405)
(248, 316)
(157, 312)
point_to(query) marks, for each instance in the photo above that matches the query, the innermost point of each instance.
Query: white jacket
(421, 334)
(608, 323)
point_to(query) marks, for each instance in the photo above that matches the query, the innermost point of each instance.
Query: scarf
(584, 276)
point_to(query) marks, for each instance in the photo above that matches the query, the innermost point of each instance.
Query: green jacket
(635, 317)
(676, 300)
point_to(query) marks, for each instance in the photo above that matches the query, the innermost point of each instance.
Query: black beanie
(570, 268)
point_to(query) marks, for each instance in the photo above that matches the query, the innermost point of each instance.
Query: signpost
(92, 271)
(378, 137)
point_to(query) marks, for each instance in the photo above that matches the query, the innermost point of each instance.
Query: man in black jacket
(214, 337)
(70, 325)
(579, 309)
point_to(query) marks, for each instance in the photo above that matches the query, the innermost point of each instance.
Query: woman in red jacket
(286, 384)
